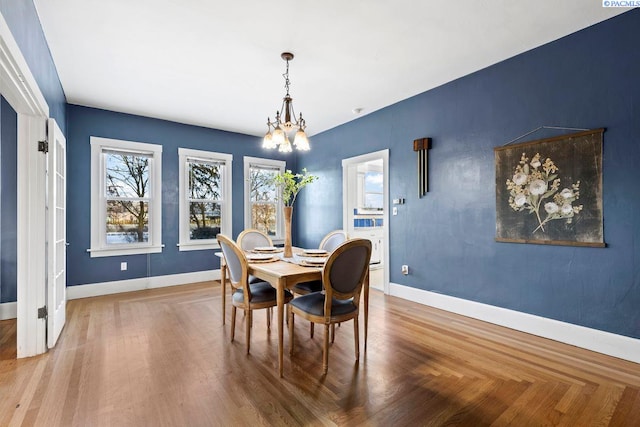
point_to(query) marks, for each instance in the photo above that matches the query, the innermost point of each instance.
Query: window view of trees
(263, 200)
(127, 195)
(205, 198)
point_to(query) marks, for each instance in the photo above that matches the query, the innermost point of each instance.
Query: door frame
(20, 89)
(376, 155)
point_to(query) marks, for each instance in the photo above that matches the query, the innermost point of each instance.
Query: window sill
(105, 252)
(197, 246)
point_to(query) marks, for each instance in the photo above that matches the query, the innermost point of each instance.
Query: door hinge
(42, 312)
(43, 146)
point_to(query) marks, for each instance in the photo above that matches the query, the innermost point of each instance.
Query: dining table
(285, 273)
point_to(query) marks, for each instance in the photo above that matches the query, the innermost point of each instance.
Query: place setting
(315, 253)
(313, 257)
(266, 250)
(261, 257)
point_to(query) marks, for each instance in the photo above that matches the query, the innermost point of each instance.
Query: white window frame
(269, 164)
(226, 223)
(99, 247)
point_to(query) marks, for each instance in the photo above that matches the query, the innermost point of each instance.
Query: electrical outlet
(405, 269)
(123, 266)
(395, 210)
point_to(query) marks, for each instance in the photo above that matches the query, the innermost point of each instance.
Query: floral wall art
(549, 191)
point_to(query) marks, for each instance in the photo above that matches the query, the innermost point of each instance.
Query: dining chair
(329, 242)
(246, 296)
(343, 278)
(249, 239)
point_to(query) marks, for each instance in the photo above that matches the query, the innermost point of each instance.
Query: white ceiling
(217, 63)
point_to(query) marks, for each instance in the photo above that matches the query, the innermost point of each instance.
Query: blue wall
(23, 21)
(8, 201)
(86, 122)
(586, 80)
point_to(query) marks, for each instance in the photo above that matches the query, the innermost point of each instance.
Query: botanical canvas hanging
(549, 191)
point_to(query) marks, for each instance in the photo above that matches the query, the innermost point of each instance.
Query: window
(205, 198)
(126, 206)
(373, 190)
(261, 207)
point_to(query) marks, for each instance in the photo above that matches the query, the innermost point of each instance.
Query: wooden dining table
(284, 275)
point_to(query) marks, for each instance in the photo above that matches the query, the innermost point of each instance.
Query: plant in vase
(290, 185)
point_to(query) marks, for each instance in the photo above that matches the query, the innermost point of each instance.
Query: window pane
(204, 220)
(205, 181)
(373, 201)
(127, 222)
(261, 188)
(263, 217)
(373, 190)
(127, 175)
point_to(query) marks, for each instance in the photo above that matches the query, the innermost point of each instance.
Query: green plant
(290, 184)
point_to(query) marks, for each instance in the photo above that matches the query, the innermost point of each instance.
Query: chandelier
(286, 122)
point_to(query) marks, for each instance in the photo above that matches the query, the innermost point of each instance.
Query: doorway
(19, 87)
(365, 185)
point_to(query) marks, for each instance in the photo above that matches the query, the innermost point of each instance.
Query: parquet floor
(162, 358)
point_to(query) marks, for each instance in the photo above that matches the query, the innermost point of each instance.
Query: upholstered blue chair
(246, 296)
(342, 277)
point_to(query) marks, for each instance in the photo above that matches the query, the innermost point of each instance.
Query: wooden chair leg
(249, 316)
(290, 317)
(356, 335)
(268, 310)
(312, 328)
(233, 322)
(325, 351)
(333, 332)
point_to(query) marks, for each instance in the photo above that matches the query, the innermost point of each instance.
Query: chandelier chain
(286, 78)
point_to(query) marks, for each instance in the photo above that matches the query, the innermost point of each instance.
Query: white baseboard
(8, 310)
(106, 288)
(607, 343)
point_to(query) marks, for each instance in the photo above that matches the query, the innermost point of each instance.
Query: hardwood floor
(162, 357)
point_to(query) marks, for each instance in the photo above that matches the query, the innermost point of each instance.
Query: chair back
(332, 240)
(236, 263)
(345, 271)
(252, 238)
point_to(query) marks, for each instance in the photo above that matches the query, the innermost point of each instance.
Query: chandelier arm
(293, 114)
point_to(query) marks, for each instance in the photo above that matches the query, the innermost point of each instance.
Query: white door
(56, 233)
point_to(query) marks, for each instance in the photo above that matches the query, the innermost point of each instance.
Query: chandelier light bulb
(285, 147)
(301, 142)
(278, 137)
(267, 142)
